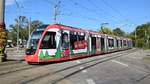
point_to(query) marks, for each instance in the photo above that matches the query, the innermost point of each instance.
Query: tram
(57, 42)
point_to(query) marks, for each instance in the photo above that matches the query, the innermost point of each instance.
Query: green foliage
(141, 36)
(23, 28)
(118, 32)
(140, 43)
(106, 31)
(35, 24)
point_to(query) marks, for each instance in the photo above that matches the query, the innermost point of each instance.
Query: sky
(85, 14)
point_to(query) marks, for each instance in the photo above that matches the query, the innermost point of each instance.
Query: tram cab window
(33, 42)
(49, 41)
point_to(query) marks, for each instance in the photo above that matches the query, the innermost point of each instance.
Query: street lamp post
(102, 25)
(147, 38)
(20, 21)
(135, 38)
(18, 24)
(29, 25)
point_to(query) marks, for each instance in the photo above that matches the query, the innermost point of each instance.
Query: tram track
(10, 63)
(16, 70)
(87, 65)
(14, 67)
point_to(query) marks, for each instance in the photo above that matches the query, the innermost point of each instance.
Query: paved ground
(124, 68)
(13, 54)
(129, 69)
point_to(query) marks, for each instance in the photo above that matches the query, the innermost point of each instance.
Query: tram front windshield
(33, 42)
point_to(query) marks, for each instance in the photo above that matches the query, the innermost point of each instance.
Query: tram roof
(72, 28)
(61, 26)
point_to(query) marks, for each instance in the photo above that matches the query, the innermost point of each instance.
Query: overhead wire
(86, 8)
(94, 11)
(75, 15)
(110, 6)
(17, 4)
(117, 11)
(97, 7)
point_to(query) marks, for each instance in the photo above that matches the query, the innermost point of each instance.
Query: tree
(21, 23)
(23, 28)
(106, 31)
(141, 35)
(118, 32)
(35, 24)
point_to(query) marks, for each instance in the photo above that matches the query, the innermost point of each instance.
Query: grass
(147, 58)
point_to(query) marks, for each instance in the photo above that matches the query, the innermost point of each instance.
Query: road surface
(125, 67)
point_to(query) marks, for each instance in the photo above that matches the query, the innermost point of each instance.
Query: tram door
(117, 43)
(102, 44)
(93, 45)
(121, 44)
(65, 43)
(98, 45)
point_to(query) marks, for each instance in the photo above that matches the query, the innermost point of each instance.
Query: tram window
(65, 40)
(73, 39)
(128, 43)
(93, 42)
(110, 42)
(49, 41)
(102, 42)
(121, 43)
(124, 42)
(81, 37)
(117, 43)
